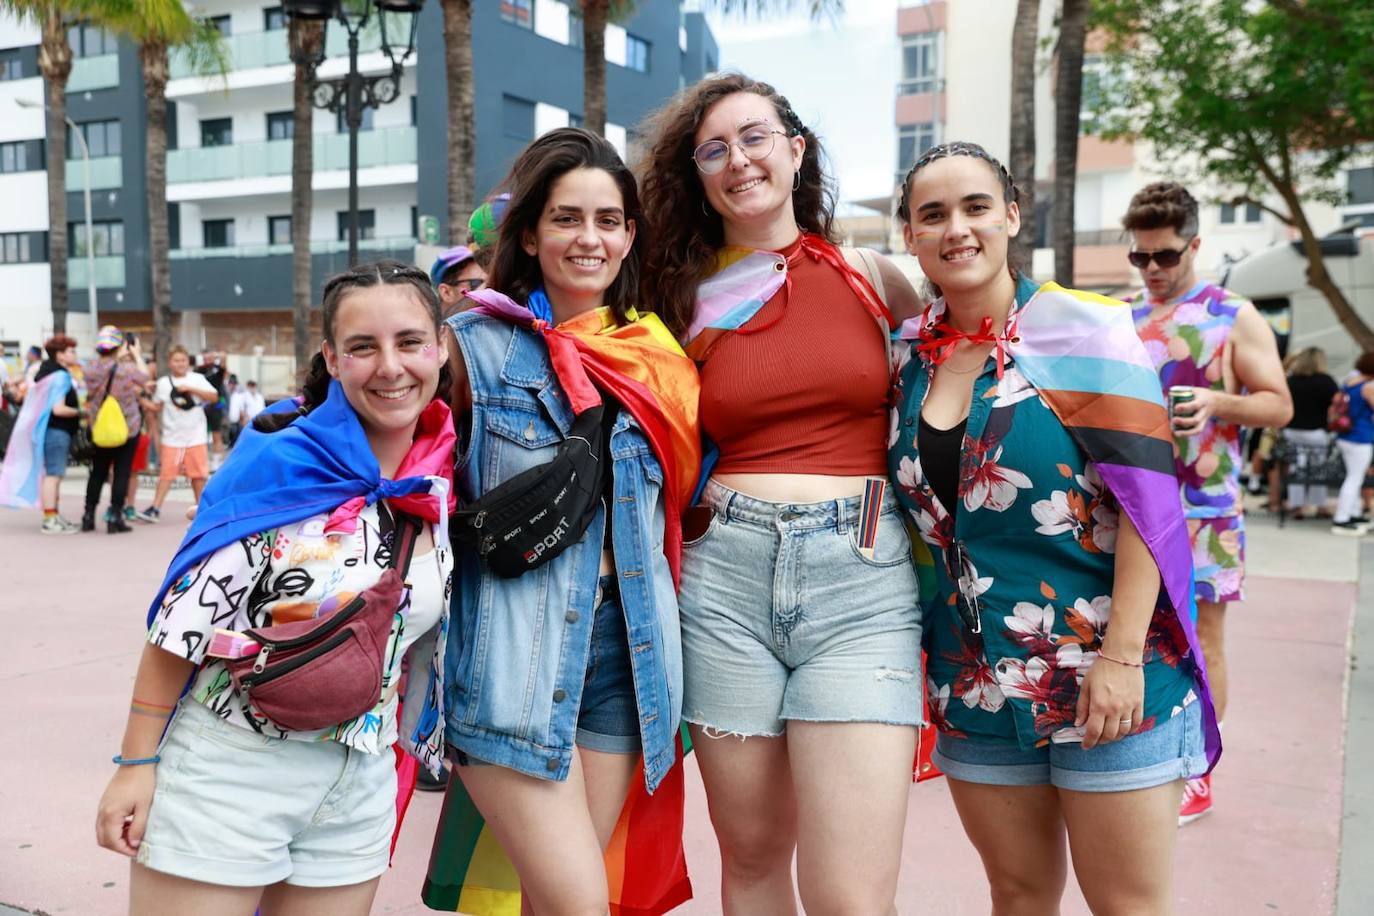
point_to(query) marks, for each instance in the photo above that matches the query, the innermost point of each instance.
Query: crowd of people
(652, 448)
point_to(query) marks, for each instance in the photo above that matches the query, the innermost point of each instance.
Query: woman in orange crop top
(800, 617)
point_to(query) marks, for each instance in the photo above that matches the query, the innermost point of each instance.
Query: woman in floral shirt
(1059, 673)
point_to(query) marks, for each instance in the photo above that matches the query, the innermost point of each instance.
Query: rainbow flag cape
(1081, 353)
(646, 871)
(23, 468)
(642, 366)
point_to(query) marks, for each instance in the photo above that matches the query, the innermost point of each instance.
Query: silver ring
(1125, 722)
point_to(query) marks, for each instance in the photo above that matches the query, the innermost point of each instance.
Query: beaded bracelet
(1119, 661)
(135, 761)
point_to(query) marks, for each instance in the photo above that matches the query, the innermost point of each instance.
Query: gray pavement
(1355, 893)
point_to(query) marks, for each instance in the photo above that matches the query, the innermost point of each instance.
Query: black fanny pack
(537, 514)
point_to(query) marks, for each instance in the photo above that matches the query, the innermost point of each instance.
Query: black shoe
(427, 783)
(88, 520)
(117, 525)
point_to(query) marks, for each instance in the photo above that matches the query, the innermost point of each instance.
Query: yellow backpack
(111, 430)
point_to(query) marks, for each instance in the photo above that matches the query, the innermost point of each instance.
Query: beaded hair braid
(957, 148)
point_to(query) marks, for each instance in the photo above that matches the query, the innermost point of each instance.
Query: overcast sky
(840, 76)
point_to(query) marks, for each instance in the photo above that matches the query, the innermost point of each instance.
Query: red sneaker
(1197, 799)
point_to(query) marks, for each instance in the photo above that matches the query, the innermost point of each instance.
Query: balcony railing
(918, 86)
(94, 73)
(392, 146)
(106, 172)
(317, 246)
(251, 50)
(109, 272)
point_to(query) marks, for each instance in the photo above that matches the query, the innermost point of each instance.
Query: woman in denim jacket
(559, 679)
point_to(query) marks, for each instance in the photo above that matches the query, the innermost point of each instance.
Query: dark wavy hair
(315, 388)
(1163, 204)
(684, 232)
(514, 271)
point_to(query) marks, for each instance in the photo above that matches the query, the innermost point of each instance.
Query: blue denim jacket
(518, 648)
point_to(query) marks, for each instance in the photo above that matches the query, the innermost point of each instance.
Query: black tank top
(939, 450)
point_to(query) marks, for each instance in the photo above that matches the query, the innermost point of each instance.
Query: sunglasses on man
(1164, 257)
(471, 284)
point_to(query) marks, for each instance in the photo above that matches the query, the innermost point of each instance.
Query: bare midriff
(793, 488)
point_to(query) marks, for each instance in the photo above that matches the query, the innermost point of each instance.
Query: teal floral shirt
(1028, 555)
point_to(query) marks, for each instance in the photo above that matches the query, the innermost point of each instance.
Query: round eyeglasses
(755, 142)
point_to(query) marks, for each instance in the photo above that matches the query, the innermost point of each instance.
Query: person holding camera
(117, 372)
(178, 402)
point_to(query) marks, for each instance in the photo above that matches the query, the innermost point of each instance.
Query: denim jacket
(518, 648)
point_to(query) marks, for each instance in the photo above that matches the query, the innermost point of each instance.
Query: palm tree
(157, 26)
(462, 146)
(1024, 42)
(307, 37)
(594, 15)
(1068, 99)
(53, 18)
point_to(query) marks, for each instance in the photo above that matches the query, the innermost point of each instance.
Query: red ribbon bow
(944, 338)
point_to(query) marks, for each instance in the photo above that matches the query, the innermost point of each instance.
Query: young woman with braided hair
(799, 603)
(224, 810)
(1032, 451)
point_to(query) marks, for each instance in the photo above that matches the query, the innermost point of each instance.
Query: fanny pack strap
(405, 531)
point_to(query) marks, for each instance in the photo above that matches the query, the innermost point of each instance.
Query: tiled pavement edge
(1355, 893)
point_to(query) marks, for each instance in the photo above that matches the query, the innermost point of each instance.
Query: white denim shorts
(236, 808)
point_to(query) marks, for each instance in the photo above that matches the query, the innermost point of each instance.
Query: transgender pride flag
(24, 461)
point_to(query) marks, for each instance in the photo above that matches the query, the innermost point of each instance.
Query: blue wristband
(136, 761)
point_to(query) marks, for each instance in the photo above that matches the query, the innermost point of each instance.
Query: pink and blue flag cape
(1083, 356)
(23, 469)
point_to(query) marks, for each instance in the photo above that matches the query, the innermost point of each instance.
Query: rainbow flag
(23, 468)
(646, 871)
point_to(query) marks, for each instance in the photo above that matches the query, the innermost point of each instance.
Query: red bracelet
(1119, 661)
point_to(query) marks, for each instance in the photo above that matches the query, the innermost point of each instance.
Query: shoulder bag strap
(406, 530)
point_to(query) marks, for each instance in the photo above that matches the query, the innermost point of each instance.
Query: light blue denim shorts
(1173, 749)
(608, 719)
(237, 808)
(784, 618)
(57, 445)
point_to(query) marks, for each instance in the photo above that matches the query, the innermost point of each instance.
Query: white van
(1275, 279)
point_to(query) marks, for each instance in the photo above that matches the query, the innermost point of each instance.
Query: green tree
(55, 64)
(1269, 99)
(158, 26)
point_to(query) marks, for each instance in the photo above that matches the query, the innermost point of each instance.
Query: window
(576, 39)
(636, 54)
(273, 19)
(1251, 213)
(217, 132)
(223, 24)
(517, 118)
(23, 247)
(217, 233)
(90, 41)
(101, 136)
(108, 236)
(1360, 185)
(367, 224)
(414, 111)
(518, 12)
(341, 125)
(11, 64)
(912, 141)
(173, 225)
(279, 230)
(22, 156)
(415, 222)
(576, 120)
(920, 63)
(281, 125)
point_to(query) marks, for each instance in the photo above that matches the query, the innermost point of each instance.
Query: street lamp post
(353, 91)
(90, 237)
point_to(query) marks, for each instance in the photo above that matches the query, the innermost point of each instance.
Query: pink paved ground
(68, 666)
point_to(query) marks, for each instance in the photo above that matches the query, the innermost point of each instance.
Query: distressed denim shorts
(784, 618)
(608, 719)
(1173, 749)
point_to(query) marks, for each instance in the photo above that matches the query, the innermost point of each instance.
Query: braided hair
(946, 151)
(315, 388)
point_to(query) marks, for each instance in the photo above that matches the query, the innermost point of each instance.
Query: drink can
(1180, 394)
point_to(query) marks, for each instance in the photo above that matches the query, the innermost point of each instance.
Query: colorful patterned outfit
(1070, 434)
(1187, 343)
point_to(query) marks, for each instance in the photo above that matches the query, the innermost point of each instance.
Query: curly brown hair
(1160, 205)
(684, 233)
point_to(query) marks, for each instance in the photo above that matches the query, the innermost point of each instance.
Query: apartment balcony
(109, 272)
(255, 50)
(88, 73)
(258, 277)
(106, 172)
(266, 158)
